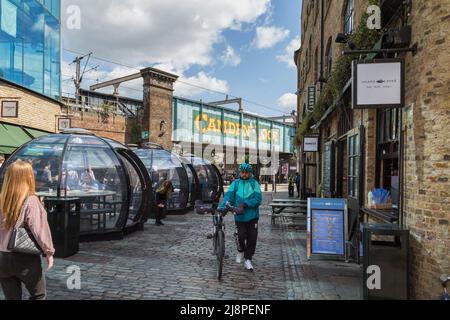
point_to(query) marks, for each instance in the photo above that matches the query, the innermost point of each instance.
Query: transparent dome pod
(164, 166)
(209, 178)
(108, 181)
(140, 187)
(194, 184)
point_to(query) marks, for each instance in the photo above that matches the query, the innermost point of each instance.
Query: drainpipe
(322, 11)
(319, 154)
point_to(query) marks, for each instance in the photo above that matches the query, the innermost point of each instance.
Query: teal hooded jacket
(247, 191)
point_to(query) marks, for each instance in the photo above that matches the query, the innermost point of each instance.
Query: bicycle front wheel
(220, 252)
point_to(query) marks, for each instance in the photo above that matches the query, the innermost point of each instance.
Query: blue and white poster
(327, 226)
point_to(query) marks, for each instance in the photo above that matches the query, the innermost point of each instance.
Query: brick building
(33, 109)
(24, 115)
(403, 150)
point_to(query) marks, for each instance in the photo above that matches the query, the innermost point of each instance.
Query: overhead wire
(179, 81)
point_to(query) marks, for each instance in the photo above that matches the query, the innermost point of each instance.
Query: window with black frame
(353, 165)
(388, 142)
(349, 17)
(329, 58)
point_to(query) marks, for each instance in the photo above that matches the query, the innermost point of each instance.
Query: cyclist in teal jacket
(245, 193)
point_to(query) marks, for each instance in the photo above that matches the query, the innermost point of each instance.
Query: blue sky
(241, 47)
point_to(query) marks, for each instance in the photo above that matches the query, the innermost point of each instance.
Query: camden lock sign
(209, 124)
(379, 84)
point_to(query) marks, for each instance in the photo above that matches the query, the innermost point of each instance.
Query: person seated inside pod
(111, 179)
(89, 183)
(71, 180)
(44, 178)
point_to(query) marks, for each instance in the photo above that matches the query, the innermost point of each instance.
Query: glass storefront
(30, 51)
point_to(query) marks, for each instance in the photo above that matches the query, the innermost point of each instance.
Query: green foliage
(135, 132)
(106, 111)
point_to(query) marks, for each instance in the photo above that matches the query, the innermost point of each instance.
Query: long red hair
(18, 184)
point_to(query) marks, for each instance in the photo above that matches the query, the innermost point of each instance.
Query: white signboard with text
(311, 144)
(378, 84)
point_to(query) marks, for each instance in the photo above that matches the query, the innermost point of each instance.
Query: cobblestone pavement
(176, 262)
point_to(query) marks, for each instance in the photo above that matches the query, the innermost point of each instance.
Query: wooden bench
(286, 208)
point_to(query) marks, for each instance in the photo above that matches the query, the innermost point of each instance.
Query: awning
(36, 133)
(13, 137)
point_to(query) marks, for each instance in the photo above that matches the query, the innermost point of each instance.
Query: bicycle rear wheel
(220, 253)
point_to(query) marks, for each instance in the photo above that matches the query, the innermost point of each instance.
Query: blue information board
(327, 226)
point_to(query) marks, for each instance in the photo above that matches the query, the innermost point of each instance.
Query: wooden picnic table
(289, 200)
(288, 208)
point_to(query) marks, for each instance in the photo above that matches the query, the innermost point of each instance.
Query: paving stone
(174, 262)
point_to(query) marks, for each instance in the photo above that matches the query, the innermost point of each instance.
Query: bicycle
(444, 280)
(218, 236)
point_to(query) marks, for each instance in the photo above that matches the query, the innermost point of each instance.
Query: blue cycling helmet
(245, 167)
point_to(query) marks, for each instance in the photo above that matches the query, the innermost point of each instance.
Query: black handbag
(23, 241)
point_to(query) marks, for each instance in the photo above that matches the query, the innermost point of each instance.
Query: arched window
(329, 57)
(349, 13)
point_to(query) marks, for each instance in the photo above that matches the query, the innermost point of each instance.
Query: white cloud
(288, 102)
(198, 83)
(288, 55)
(182, 33)
(230, 58)
(169, 34)
(267, 37)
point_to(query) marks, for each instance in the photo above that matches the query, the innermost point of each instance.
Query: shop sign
(311, 98)
(379, 84)
(145, 135)
(327, 225)
(210, 124)
(10, 109)
(64, 124)
(311, 144)
(285, 169)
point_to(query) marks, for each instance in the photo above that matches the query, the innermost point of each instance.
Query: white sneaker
(240, 257)
(248, 265)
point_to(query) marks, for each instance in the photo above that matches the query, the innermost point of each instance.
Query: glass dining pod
(110, 181)
(164, 166)
(194, 184)
(209, 178)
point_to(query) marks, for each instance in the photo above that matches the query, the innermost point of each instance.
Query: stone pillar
(158, 96)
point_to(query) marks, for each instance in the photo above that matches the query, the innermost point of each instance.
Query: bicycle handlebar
(201, 209)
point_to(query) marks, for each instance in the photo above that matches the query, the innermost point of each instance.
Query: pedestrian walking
(246, 194)
(297, 183)
(162, 196)
(292, 183)
(20, 208)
